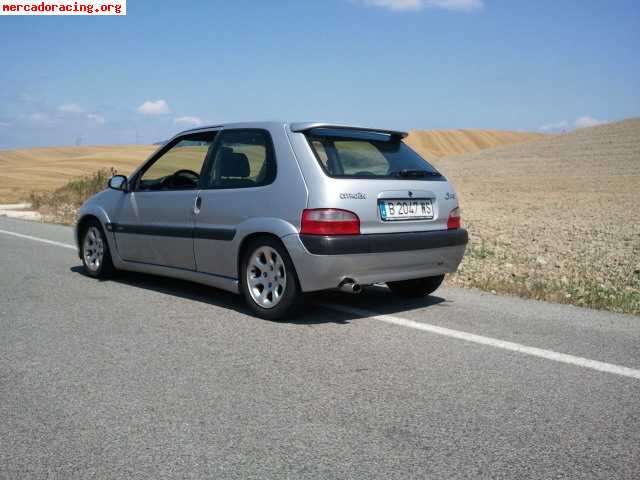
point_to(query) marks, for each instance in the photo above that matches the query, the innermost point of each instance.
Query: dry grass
(38, 169)
(556, 219)
(61, 205)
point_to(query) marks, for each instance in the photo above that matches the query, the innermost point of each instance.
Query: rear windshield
(354, 154)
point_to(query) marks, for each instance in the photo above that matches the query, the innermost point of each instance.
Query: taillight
(329, 221)
(454, 219)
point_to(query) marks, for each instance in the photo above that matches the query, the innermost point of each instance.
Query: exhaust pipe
(350, 286)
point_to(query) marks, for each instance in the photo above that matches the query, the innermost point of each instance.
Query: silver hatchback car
(272, 210)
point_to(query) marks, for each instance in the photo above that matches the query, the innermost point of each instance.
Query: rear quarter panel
(273, 209)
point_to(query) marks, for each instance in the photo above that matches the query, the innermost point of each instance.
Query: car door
(155, 222)
(236, 186)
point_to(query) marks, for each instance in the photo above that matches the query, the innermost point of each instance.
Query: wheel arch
(82, 224)
(252, 228)
(246, 241)
(87, 213)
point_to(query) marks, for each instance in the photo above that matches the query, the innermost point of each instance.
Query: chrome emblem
(353, 196)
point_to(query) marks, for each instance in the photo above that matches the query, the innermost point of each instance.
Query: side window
(241, 159)
(322, 153)
(179, 167)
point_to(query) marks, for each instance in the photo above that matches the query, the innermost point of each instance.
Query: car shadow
(376, 299)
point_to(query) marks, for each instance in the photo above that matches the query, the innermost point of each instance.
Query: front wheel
(268, 280)
(418, 287)
(96, 257)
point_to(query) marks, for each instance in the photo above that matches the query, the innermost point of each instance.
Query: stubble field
(556, 218)
(46, 169)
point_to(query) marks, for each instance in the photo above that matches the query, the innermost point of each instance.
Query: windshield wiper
(405, 173)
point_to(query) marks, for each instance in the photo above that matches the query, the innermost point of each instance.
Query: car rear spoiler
(304, 127)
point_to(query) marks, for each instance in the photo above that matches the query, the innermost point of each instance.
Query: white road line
(38, 239)
(447, 332)
(492, 342)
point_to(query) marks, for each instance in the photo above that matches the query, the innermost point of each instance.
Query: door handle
(197, 205)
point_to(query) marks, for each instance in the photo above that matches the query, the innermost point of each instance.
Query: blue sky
(426, 64)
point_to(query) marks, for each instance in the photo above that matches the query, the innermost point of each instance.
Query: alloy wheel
(266, 277)
(93, 249)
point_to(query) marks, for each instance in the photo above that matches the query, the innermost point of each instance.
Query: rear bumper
(383, 243)
(323, 262)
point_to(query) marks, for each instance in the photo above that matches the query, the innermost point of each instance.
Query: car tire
(94, 251)
(268, 280)
(418, 287)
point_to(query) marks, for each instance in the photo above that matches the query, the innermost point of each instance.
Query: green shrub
(61, 205)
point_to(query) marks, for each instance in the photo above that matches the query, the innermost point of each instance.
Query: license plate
(406, 209)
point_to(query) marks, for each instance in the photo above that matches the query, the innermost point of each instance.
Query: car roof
(294, 127)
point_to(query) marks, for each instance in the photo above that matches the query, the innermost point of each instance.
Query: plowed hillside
(555, 218)
(441, 143)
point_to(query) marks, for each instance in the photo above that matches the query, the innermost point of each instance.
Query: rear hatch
(375, 175)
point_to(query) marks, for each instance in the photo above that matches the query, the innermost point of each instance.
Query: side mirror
(118, 182)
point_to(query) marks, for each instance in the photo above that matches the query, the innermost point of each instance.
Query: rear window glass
(355, 154)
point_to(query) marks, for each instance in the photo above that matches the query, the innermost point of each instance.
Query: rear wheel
(418, 287)
(268, 280)
(95, 254)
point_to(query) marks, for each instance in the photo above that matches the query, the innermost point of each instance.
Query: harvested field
(556, 218)
(441, 143)
(35, 169)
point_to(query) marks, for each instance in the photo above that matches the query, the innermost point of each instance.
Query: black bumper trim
(225, 234)
(210, 233)
(386, 242)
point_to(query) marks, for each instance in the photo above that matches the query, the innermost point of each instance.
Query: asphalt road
(144, 377)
